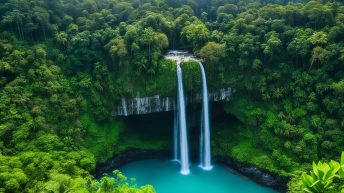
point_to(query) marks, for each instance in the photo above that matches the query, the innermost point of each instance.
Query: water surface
(164, 175)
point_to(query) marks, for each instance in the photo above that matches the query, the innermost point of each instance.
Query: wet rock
(152, 104)
(260, 176)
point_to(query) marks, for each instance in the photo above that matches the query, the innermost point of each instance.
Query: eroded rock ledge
(157, 103)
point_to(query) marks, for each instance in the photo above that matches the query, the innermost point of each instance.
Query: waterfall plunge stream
(184, 150)
(205, 126)
(181, 152)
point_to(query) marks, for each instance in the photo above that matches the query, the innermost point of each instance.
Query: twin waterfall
(205, 126)
(184, 150)
(181, 151)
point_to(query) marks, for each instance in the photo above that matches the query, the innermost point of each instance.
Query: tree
(272, 45)
(117, 48)
(212, 52)
(299, 46)
(338, 87)
(147, 38)
(147, 49)
(41, 16)
(227, 9)
(157, 22)
(319, 55)
(62, 39)
(196, 33)
(72, 28)
(15, 18)
(319, 14)
(318, 39)
(162, 41)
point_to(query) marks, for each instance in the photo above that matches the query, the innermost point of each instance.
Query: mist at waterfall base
(165, 177)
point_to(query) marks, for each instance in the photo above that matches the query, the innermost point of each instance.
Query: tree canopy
(65, 65)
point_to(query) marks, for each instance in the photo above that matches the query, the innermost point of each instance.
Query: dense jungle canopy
(65, 64)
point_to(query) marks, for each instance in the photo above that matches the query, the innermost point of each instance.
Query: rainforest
(171, 96)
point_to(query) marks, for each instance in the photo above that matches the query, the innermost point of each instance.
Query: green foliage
(233, 139)
(191, 76)
(318, 38)
(101, 139)
(338, 87)
(295, 184)
(272, 45)
(323, 177)
(212, 53)
(196, 33)
(119, 183)
(243, 109)
(64, 66)
(58, 169)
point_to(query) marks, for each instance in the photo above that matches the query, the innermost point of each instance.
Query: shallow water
(166, 178)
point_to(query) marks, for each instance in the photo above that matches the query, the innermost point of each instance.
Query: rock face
(260, 176)
(152, 104)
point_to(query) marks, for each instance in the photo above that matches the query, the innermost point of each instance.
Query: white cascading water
(124, 106)
(205, 150)
(181, 151)
(180, 131)
(184, 150)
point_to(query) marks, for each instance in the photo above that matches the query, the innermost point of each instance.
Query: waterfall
(205, 151)
(180, 131)
(124, 106)
(150, 104)
(184, 152)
